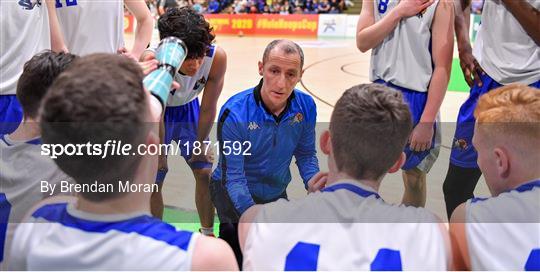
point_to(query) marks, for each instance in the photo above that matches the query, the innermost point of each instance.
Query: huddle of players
(371, 111)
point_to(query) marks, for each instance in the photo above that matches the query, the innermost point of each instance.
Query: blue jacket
(264, 173)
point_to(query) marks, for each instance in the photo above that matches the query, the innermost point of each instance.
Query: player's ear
(261, 66)
(502, 162)
(325, 142)
(398, 164)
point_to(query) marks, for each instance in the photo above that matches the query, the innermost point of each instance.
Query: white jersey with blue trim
(404, 58)
(503, 232)
(22, 168)
(345, 227)
(25, 32)
(60, 237)
(91, 26)
(509, 54)
(192, 86)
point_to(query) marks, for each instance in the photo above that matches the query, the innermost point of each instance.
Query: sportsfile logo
(253, 126)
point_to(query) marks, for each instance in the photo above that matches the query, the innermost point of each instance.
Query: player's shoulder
(238, 103)
(304, 102)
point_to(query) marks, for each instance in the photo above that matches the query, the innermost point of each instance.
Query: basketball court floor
(331, 66)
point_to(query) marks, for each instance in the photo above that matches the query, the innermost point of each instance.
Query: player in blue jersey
(263, 128)
(98, 99)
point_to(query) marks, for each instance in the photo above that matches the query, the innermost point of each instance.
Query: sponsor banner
(129, 24)
(352, 21)
(262, 24)
(332, 25)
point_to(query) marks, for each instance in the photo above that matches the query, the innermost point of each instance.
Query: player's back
(60, 237)
(345, 227)
(91, 27)
(22, 168)
(503, 232)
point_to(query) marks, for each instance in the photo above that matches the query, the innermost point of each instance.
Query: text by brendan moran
(95, 187)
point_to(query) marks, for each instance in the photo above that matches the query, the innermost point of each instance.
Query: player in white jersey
(26, 30)
(203, 71)
(106, 227)
(348, 226)
(412, 45)
(98, 27)
(23, 167)
(510, 54)
(503, 232)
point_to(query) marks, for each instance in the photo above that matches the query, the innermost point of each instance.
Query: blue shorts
(424, 160)
(11, 113)
(181, 123)
(463, 152)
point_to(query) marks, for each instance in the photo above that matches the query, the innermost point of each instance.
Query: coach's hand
(421, 136)
(408, 8)
(317, 182)
(470, 67)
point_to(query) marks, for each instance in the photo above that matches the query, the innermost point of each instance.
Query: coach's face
(281, 72)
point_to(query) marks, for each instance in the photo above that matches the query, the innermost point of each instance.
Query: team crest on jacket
(461, 144)
(297, 118)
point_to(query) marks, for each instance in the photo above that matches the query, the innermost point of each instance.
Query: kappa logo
(253, 126)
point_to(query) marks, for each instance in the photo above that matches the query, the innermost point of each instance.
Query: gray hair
(287, 46)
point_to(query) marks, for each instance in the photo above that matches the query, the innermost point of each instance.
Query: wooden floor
(331, 66)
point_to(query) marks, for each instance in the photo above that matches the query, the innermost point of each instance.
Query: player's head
(99, 99)
(281, 69)
(38, 75)
(507, 136)
(369, 128)
(191, 27)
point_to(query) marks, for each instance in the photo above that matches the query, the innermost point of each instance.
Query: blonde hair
(512, 110)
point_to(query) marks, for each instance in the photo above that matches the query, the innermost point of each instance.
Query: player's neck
(335, 177)
(27, 130)
(126, 204)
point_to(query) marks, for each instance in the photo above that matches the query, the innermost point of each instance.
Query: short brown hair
(99, 98)
(369, 129)
(38, 75)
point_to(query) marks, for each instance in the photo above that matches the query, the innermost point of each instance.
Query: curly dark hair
(188, 25)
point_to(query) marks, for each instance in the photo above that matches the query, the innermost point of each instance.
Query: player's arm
(145, 23)
(211, 254)
(527, 16)
(245, 224)
(305, 151)
(231, 130)
(460, 250)
(57, 39)
(211, 94)
(443, 47)
(370, 34)
(469, 66)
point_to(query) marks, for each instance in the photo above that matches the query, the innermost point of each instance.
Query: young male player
(412, 43)
(347, 226)
(98, 27)
(28, 27)
(510, 54)
(187, 122)
(101, 98)
(22, 166)
(502, 232)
